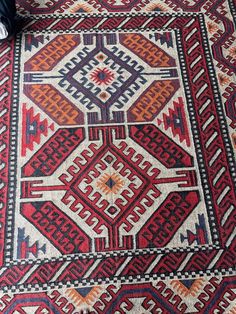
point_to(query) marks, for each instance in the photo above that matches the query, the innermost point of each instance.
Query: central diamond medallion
(100, 78)
(110, 187)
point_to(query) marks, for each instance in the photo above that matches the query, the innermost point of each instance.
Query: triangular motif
(33, 128)
(176, 121)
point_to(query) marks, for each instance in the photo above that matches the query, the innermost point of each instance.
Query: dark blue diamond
(109, 159)
(187, 283)
(81, 10)
(102, 76)
(110, 183)
(84, 291)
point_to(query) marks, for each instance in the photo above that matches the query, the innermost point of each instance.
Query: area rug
(118, 158)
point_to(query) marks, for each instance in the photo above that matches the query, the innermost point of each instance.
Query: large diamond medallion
(100, 77)
(111, 188)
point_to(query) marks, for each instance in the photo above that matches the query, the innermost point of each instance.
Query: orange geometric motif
(188, 291)
(110, 183)
(153, 100)
(53, 103)
(81, 7)
(223, 79)
(47, 58)
(83, 295)
(146, 50)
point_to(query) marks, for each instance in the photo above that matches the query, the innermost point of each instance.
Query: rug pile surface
(117, 158)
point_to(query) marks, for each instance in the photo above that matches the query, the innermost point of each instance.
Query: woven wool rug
(117, 146)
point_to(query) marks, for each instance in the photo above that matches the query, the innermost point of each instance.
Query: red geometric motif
(65, 235)
(156, 231)
(53, 152)
(32, 128)
(169, 154)
(126, 196)
(176, 120)
(102, 76)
